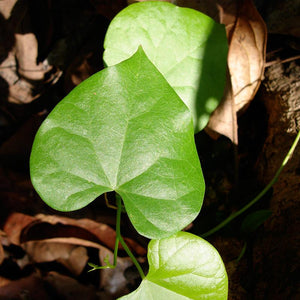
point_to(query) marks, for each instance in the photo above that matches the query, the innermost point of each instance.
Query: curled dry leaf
(246, 57)
(247, 53)
(103, 233)
(73, 257)
(65, 240)
(23, 78)
(14, 225)
(21, 228)
(2, 256)
(1, 253)
(6, 7)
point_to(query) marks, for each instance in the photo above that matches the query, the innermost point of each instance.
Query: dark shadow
(7, 39)
(69, 33)
(5, 118)
(213, 75)
(3, 91)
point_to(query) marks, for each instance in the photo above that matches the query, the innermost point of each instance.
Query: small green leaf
(183, 266)
(186, 46)
(123, 129)
(254, 220)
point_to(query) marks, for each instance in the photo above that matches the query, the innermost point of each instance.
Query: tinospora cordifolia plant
(130, 129)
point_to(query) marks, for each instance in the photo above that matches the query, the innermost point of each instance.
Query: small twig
(275, 62)
(108, 204)
(8, 67)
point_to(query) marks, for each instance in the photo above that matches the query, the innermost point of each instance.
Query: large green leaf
(124, 129)
(186, 46)
(183, 266)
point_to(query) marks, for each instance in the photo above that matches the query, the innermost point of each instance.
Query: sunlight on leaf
(186, 46)
(183, 266)
(123, 129)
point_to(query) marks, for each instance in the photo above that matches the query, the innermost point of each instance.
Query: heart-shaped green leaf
(186, 46)
(124, 129)
(183, 266)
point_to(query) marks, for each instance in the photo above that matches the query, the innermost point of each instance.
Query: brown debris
(66, 241)
(247, 38)
(108, 8)
(278, 249)
(70, 289)
(21, 228)
(31, 287)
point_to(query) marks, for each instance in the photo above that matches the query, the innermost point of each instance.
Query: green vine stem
(259, 196)
(119, 239)
(242, 252)
(118, 231)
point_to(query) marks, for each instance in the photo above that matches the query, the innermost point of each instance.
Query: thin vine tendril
(259, 196)
(119, 239)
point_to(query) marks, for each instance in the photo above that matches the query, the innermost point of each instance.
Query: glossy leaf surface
(186, 46)
(124, 129)
(183, 266)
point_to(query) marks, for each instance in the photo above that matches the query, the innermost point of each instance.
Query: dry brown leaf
(23, 76)
(65, 240)
(246, 58)
(26, 51)
(81, 228)
(71, 241)
(14, 225)
(246, 55)
(1, 253)
(1, 250)
(21, 228)
(73, 257)
(3, 282)
(6, 7)
(223, 120)
(20, 90)
(105, 234)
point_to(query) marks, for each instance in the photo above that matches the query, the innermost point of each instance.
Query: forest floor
(44, 253)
